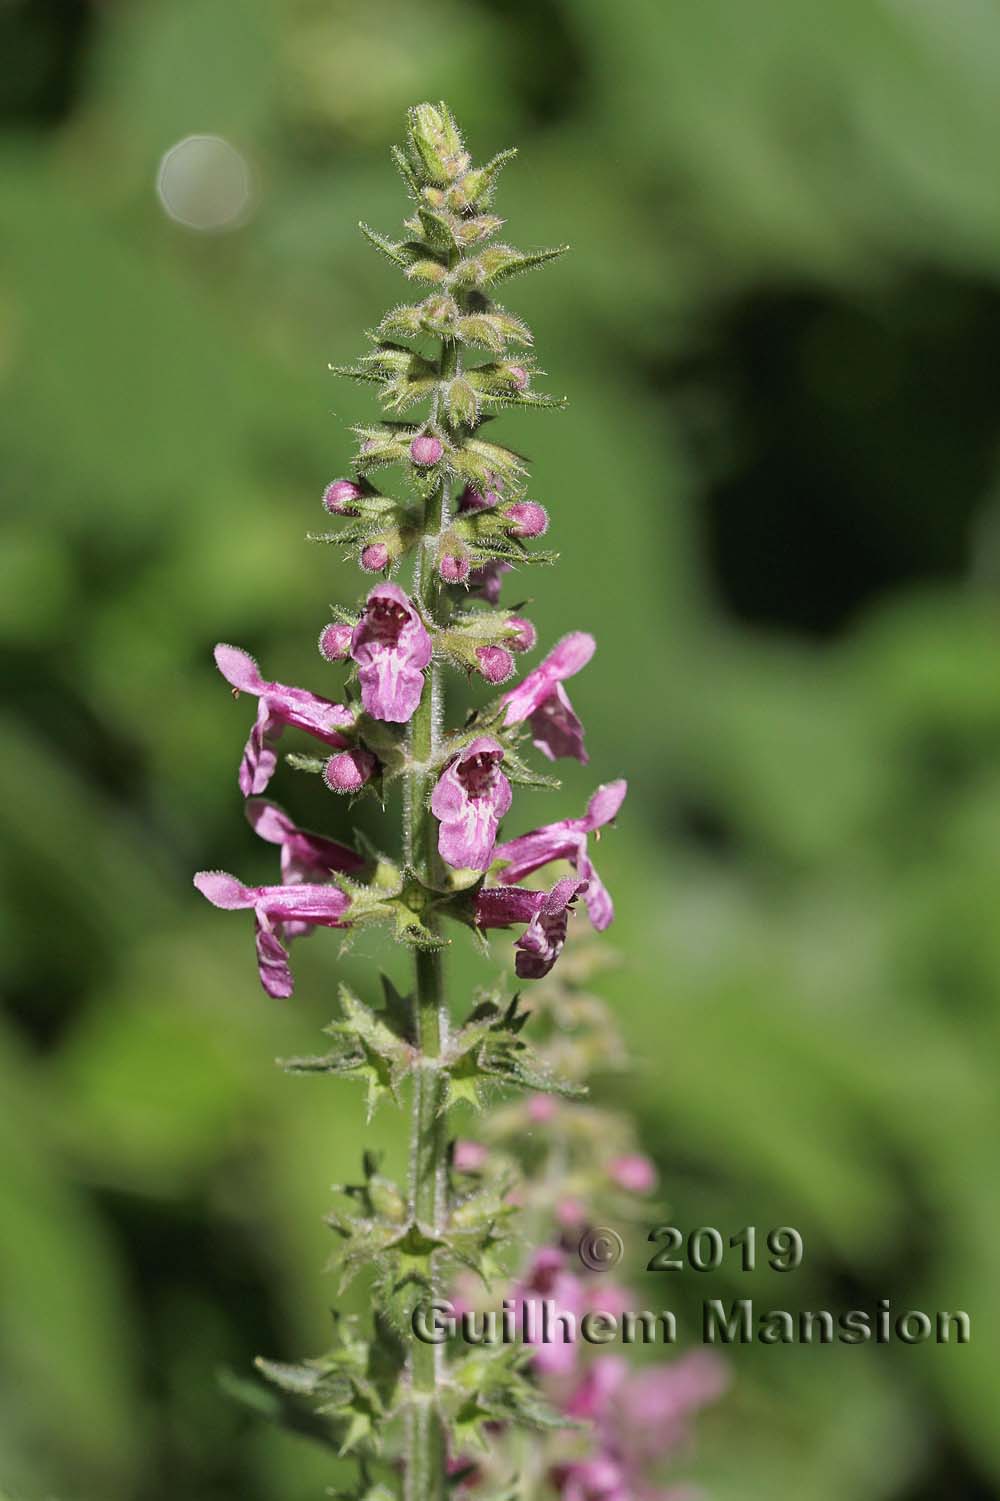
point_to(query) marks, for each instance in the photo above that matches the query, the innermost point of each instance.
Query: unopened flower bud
(426, 450)
(469, 1156)
(472, 499)
(571, 1213)
(335, 641)
(337, 497)
(528, 518)
(633, 1172)
(453, 570)
(349, 771)
(375, 558)
(495, 663)
(541, 1109)
(519, 376)
(525, 634)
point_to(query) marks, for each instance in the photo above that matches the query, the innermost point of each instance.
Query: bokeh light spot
(204, 183)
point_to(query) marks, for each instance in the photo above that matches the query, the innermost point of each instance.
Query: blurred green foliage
(775, 491)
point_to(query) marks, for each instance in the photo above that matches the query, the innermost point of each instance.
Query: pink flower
(349, 771)
(599, 1479)
(276, 909)
(426, 450)
(541, 699)
(652, 1412)
(641, 1415)
(278, 706)
(304, 856)
(471, 796)
(633, 1172)
(567, 840)
(375, 558)
(391, 647)
(545, 912)
(542, 1108)
(548, 1280)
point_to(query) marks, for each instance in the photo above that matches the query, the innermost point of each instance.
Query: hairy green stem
(425, 1441)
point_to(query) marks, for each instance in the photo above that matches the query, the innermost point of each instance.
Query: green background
(775, 492)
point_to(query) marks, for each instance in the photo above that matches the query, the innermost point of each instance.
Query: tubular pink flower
(279, 705)
(541, 699)
(549, 1279)
(391, 647)
(304, 856)
(276, 909)
(652, 1411)
(638, 1419)
(567, 840)
(545, 912)
(471, 796)
(349, 771)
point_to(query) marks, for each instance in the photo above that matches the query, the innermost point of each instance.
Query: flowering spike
(465, 524)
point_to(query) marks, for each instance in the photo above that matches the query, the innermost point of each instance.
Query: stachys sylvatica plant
(437, 548)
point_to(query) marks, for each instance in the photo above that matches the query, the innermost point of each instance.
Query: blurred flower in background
(777, 334)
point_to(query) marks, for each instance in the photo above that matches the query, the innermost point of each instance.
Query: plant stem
(425, 1442)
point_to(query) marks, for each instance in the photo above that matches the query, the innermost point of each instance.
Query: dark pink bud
(518, 375)
(375, 558)
(633, 1172)
(526, 635)
(571, 1213)
(469, 1156)
(337, 497)
(453, 570)
(541, 1109)
(349, 771)
(472, 499)
(495, 663)
(426, 450)
(527, 518)
(335, 641)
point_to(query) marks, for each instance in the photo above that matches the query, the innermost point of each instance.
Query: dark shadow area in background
(852, 444)
(42, 49)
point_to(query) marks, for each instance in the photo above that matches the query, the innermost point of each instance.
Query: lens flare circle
(205, 184)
